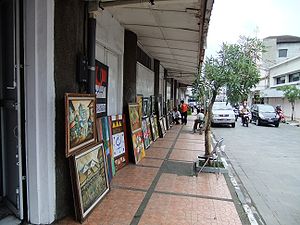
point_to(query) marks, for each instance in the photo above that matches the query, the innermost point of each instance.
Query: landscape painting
(91, 178)
(80, 121)
(134, 117)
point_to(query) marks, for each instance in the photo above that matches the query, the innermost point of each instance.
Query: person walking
(184, 109)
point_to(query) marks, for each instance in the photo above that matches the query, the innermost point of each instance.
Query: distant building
(280, 66)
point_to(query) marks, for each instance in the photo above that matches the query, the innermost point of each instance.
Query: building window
(282, 53)
(294, 77)
(280, 80)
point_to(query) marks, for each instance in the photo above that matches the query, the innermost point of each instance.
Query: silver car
(223, 113)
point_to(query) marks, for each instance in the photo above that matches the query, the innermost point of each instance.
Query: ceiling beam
(164, 27)
(156, 38)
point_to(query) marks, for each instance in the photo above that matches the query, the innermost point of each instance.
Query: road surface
(267, 161)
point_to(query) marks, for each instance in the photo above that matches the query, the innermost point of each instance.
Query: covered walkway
(162, 189)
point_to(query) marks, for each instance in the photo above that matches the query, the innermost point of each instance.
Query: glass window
(282, 53)
(266, 108)
(280, 80)
(221, 106)
(294, 77)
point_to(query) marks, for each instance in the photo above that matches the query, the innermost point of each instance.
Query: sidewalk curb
(250, 210)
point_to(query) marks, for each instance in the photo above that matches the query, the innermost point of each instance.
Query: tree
(234, 67)
(292, 93)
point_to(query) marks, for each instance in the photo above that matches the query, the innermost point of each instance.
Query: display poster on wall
(101, 86)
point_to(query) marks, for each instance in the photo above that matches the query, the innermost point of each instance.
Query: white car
(223, 113)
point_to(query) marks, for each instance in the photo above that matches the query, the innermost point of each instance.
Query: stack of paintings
(88, 165)
(119, 141)
(136, 132)
(105, 136)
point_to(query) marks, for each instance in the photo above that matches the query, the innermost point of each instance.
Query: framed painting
(139, 101)
(134, 118)
(103, 127)
(154, 128)
(153, 107)
(145, 134)
(161, 127)
(90, 181)
(165, 122)
(80, 124)
(149, 129)
(146, 107)
(138, 146)
(119, 141)
(101, 88)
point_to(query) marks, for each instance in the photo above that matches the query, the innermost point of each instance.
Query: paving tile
(190, 136)
(206, 184)
(151, 162)
(185, 155)
(197, 141)
(159, 153)
(111, 210)
(135, 177)
(171, 135)
(162, 143)
(189, 146)
(172, 210)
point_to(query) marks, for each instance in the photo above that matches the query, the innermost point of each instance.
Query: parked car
(264, 114)
(223, 113)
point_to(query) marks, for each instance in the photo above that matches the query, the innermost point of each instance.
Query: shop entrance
(11, 94)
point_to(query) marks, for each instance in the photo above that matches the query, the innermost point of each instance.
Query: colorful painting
(139, 101)
(149, 129)
(154, 128)
(80, 121)
(119, 141)
(162, 128)
(104, 135)
(138, 146)
(135, 123)
(101, 88)
(90, 176)
(146, 135)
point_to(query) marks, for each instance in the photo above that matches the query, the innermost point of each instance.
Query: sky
(256, 18)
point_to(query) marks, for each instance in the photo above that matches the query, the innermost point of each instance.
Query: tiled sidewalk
(162, 190)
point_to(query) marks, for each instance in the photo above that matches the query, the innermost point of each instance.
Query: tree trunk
(208, 124)
(293, 110)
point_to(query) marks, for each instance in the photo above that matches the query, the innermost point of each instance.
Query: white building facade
(281, 66)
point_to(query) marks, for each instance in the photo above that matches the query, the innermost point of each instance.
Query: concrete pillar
(176, 101)
(129, 80)
(156, 77)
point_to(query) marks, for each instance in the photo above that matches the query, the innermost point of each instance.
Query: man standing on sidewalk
(184, 109)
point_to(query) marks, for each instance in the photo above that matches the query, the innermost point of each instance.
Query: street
(267, 161)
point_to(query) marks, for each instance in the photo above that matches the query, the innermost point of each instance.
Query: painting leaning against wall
(80, 121)
(90, 180)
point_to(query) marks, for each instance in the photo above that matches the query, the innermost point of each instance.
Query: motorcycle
(246, 119)
(236, 113)
(280, 114)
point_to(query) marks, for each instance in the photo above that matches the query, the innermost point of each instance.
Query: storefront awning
(172, 31)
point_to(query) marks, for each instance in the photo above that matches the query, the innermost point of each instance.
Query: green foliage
(291, 92)
(235, 68)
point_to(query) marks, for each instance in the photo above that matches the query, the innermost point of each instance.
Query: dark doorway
(11, 116)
